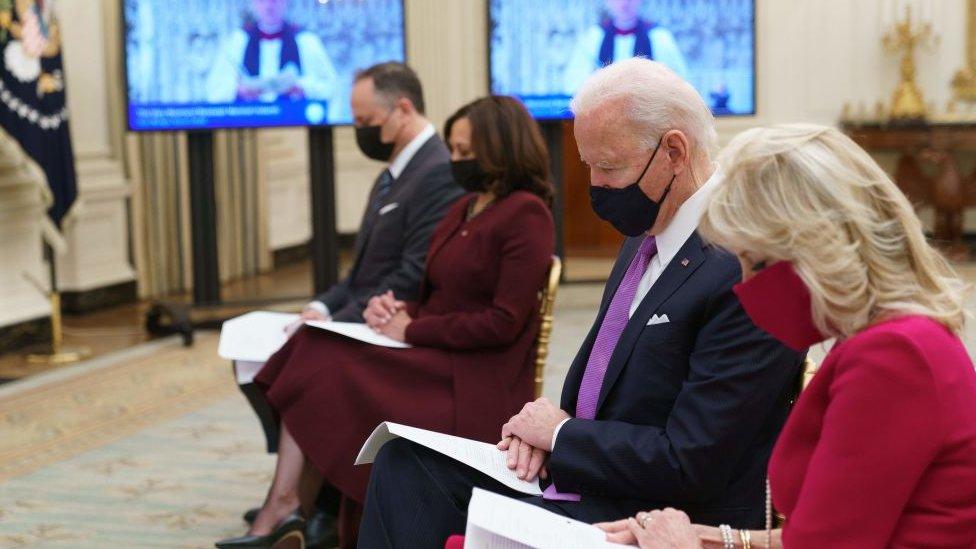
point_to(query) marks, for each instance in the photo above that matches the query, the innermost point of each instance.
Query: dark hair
(508, 145)
(394, 80)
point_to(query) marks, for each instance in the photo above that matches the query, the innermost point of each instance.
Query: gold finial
(905, 37)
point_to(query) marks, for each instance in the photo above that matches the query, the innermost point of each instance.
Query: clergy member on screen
(621, 35)
(270, 60)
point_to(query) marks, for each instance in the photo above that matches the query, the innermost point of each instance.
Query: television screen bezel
(125, 79)
(489, 29)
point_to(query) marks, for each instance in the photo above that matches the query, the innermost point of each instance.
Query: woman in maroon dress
(473, 330)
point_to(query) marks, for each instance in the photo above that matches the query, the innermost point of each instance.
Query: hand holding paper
(360, 332)
(478, 455)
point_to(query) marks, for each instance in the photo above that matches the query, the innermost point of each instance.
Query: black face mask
(469, 175)
(629, 210)
(368, 139)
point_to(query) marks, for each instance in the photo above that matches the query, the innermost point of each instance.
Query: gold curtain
(242, 235)
(160, 213)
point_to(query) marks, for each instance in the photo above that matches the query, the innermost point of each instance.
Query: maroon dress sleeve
(881, 430)
(527, 243)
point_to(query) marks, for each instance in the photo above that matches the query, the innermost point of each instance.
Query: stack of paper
(498, 522)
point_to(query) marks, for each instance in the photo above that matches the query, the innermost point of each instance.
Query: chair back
(547, 297)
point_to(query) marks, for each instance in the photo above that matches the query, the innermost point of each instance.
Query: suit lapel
(684, 263)
(575, 375)
(366, 227)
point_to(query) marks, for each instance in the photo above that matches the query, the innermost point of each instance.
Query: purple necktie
(618, 314)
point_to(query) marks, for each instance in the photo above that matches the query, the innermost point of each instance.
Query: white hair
(656, 101)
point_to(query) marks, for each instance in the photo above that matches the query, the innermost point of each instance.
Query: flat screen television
(211, 64)
(542, 50)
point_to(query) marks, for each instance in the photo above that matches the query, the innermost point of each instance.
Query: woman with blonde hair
(880, 449)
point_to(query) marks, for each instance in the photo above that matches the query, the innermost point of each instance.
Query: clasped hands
(388, 316)
(527, 438)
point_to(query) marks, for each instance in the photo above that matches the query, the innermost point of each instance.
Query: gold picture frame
(964, 83)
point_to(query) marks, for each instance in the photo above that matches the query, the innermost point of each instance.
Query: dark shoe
(292, 527)
(250, 515)
(322, 531)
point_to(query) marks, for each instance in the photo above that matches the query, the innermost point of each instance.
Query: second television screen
(206, 64)
(541, 51)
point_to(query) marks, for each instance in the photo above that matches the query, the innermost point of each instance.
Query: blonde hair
(809, 195)
(656, 100)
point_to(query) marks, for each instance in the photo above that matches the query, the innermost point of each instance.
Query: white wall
(815, 55)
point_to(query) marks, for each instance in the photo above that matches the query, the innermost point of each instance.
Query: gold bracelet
(746, 537)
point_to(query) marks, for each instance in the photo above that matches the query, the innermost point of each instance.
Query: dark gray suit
(391, 246)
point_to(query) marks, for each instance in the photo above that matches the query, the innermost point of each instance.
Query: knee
(394, 456)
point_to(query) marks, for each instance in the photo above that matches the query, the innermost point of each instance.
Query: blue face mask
(629, 210)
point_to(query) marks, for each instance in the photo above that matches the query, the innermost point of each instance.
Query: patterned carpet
(149, 448)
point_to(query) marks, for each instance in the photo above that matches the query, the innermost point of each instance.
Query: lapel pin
(684, 262)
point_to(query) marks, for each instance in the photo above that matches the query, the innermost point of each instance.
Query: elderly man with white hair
(675, 397)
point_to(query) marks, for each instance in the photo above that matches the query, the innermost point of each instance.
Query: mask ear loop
(648, 165)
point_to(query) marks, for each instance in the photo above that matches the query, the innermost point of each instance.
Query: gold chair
(547, 297)
(809, 370)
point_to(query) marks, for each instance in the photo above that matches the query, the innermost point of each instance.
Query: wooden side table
(950, 191)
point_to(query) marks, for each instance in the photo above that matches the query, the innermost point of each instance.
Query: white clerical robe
(585, 58)
(317, 78)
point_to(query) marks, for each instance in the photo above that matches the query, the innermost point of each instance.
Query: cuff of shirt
(318, 306)
(556, 434)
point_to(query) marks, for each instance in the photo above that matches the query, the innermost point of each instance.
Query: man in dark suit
(408, 198)
(675, 398)
(407, 201)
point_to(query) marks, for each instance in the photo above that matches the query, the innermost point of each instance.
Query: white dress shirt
(396, 169)
(669, 242)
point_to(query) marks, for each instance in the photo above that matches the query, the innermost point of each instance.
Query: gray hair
(656, 100)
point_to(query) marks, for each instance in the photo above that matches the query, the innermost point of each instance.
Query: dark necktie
(383, 186)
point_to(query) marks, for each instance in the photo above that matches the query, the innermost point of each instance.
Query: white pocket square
(663, 319)
(388, 208)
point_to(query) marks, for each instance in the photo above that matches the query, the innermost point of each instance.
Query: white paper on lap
(357, 331)
(255, 336)
(479, 455)
(499, 522)
(246, 371)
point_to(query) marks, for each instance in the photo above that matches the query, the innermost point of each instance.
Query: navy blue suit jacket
(689, 409)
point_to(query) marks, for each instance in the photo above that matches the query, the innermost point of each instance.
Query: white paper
(357, 331)
(254, 337)
(245, 371)
(498, 522)
(481, 456)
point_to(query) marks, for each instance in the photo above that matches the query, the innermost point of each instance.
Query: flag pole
(59, 354)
